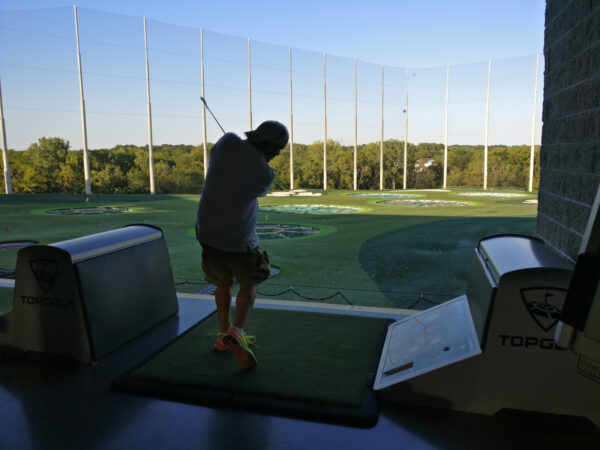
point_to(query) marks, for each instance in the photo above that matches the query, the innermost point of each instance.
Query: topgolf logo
(544, 305)
(44, 271)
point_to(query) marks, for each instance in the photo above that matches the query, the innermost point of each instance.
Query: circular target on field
(284, 231)
(16, 244)
(308, 209)
(424, 203)
(88, 210)
(383, 195)
(491, 194)
(12, 247)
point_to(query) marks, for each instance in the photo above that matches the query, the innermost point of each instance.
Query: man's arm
(264, 180)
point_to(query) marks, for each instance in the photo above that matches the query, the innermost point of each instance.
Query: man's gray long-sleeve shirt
(238, 174)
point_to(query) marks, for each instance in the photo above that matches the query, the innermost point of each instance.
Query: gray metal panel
(99, 244)
(125, 293)
(481, 291)
(510, 253)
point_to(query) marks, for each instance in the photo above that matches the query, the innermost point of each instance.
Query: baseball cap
(270, 131)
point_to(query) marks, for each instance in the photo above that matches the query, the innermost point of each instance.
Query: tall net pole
(324, 122)
(405, 135)
(532, 153)
(446, 128)
(7, 181)
(204, 140)
(249, 87)
(86, 161)
(487, 126)
(355, 126)
(381, 144)
(149, 111)
(291, 128)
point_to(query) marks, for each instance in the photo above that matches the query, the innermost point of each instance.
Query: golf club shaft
(211, 113)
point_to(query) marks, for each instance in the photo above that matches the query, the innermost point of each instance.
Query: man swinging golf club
(238, 174)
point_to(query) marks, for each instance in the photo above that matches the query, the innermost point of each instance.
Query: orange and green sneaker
(221, 346)
(239, 343)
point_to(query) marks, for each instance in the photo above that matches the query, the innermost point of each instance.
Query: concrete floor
(51, 405)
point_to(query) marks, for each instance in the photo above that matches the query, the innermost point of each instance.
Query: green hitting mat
(311, 365)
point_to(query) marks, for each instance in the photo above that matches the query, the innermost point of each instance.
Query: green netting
(308, 209)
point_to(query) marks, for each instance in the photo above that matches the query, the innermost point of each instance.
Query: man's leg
(223, 300)
(244, 303)
(238, 342)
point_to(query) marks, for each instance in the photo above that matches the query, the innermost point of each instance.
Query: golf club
(211, 113)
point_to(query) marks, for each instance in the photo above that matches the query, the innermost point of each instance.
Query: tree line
(50, 165)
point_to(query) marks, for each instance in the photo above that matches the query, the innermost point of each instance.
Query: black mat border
(364, 416)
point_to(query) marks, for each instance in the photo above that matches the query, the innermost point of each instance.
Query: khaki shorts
(221, 267)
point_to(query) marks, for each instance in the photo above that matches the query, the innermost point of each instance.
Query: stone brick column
(570, 154)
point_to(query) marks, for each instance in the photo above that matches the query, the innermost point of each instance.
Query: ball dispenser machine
(85, 297)
(525, 336)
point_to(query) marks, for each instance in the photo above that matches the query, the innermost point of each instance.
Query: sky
(411, 42)
(392, 32)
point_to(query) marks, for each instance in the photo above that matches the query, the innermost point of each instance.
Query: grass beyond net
(303, 356)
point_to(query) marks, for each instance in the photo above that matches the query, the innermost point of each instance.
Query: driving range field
(403, 249)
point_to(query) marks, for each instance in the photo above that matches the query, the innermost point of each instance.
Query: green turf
(314, 357)
(418, 249)
(6, 299)
(377, 257)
